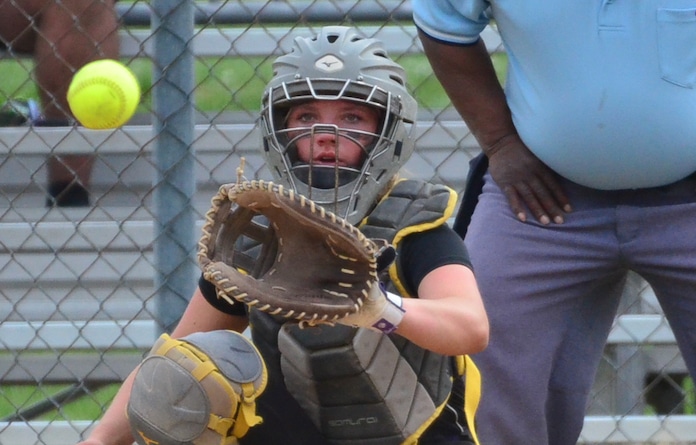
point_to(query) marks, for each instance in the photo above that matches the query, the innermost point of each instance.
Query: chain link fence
(85, 290)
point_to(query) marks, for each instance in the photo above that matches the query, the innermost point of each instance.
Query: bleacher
(95, 329)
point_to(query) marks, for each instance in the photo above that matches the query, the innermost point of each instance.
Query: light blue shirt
(602, 91)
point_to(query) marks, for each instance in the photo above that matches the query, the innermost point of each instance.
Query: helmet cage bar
(351, 134)
(318, 190)
(338, 137)
(330, 89)
(347, 194)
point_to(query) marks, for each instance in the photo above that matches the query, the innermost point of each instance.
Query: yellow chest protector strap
(472, 394)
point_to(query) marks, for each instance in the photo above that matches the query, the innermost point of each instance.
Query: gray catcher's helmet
(339, 63)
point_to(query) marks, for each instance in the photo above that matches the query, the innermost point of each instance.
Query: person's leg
(551, 293)
(663, 251)
(578, 357)
(16, 30)
(72, 34)
(17, 37)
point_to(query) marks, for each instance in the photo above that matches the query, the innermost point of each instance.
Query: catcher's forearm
(448, 326)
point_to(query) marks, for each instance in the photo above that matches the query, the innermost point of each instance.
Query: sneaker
(25, 112)
(19, 112)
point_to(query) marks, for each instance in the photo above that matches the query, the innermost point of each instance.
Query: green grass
(15, 81)
(233, 84)
(15, 398)
(690, 396)
(18, 397)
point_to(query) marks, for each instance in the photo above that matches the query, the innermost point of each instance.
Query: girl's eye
(306, 117)
(355, 118)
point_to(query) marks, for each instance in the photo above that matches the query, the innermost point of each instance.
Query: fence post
(172, 27)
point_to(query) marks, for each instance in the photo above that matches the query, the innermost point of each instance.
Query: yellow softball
(103, 94)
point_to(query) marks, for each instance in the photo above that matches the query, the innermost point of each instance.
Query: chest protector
(359, 386)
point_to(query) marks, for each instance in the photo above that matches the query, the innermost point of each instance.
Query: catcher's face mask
(327, 142)
(330, 132)
(341, 68)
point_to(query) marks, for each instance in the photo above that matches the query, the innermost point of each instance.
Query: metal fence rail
(79, 284)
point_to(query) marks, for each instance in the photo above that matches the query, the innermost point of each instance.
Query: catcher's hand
(313, 267)
(381, 311)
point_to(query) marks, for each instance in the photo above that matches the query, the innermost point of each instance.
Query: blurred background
(85, 290)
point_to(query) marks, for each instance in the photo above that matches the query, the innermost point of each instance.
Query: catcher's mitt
(309, 265)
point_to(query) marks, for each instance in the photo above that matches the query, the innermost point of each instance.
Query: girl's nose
(324, 138)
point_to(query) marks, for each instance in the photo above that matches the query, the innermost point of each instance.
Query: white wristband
(392, 315)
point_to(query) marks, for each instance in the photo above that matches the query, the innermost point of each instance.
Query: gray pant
(551, 293)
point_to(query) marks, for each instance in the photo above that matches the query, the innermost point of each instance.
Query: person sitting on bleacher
(62, 36)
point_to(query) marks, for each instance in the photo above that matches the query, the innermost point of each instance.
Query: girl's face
(326, 148)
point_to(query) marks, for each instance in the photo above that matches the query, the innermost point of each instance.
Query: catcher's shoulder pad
(320, 269)
(411, 206)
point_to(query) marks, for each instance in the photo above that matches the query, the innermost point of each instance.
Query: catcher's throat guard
(314, 267)
(199, 390)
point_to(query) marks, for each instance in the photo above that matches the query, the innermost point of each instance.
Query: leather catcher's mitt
(309, 265)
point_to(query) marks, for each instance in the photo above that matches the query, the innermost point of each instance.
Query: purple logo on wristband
(384, 326)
